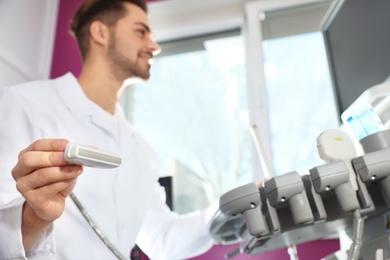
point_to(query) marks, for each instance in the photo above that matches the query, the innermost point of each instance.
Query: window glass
(301, 102)
(194, 113)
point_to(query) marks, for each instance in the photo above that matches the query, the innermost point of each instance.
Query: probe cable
(95, 228)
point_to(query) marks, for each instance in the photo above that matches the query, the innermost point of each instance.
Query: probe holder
(289, 188)
(335, 176)
(374, 167)
(245, 200)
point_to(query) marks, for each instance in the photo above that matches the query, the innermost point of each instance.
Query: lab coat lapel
(106, 124)
(72, 95)
(76, 101)
(134, 188)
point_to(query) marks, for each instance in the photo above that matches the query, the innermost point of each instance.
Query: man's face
(132, 47)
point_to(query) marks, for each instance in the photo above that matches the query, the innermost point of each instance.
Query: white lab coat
(126, 202)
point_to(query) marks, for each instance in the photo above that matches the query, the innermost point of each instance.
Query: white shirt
(126, 203)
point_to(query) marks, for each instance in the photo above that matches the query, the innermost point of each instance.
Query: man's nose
(154, 46)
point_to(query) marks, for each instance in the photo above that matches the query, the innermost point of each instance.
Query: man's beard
(121, 66)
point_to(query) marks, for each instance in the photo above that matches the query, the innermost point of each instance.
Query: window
(301, 103)
(294, 94)
(194, 113)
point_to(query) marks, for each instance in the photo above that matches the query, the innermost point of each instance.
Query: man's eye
(142, 32)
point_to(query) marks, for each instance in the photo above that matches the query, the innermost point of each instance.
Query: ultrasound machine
(348, 195)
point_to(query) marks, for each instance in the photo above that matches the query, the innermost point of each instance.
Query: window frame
(257, 95)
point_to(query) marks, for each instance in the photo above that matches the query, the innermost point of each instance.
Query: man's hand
(44, 179)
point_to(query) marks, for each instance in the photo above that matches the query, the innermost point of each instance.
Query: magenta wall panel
(308, 251)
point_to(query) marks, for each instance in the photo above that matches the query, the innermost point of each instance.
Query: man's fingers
(48, 201)
(41, 153)
(33, 160)
(43, 195)
(46, 145)
(46, 176)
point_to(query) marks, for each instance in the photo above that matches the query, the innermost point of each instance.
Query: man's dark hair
(106, 11)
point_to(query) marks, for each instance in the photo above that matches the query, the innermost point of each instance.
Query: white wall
(175, 19)
(27, 31)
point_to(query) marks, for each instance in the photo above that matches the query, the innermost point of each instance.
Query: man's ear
(99, 33)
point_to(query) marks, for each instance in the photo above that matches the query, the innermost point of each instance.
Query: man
(38, 119)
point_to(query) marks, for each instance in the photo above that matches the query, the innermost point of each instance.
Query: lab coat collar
(75, 99)
(73, 95)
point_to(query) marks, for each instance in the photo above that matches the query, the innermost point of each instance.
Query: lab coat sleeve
(11, 246)
(16, 132)
(168, 235)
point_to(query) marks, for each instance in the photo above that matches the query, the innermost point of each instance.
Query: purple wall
(308, 251)
(66, 58)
